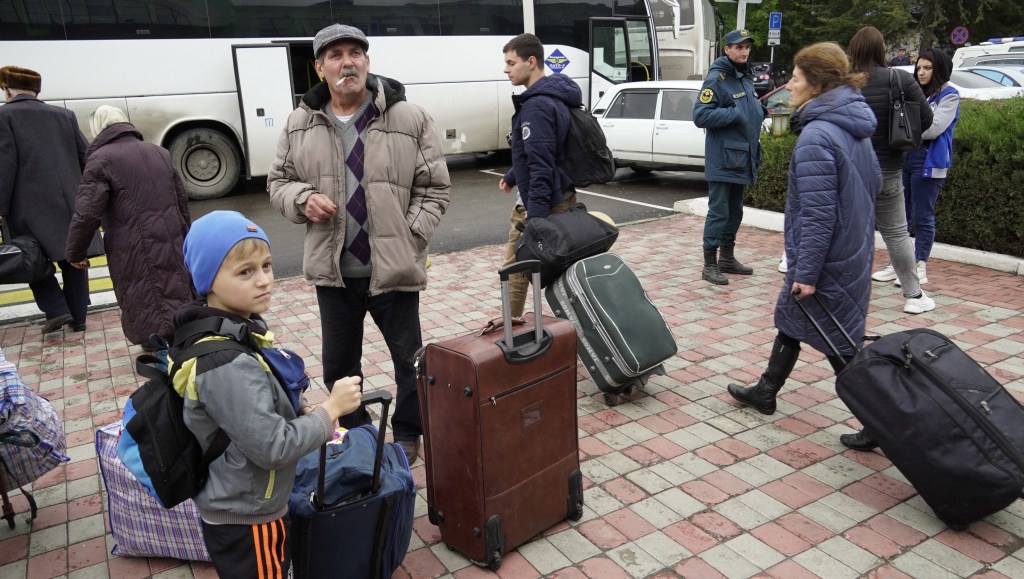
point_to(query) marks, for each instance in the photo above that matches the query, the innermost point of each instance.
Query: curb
(773, 221)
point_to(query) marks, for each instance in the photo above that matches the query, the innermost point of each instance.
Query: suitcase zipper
(505, 394)
(1000, 439)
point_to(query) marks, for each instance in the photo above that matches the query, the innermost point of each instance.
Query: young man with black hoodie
(731, 114)
(539, 128)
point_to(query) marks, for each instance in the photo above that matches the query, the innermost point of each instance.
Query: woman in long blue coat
(830, 217)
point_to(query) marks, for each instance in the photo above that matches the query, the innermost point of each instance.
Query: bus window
(471, 18)
(30, 20)
(124, 19)
(274, 18)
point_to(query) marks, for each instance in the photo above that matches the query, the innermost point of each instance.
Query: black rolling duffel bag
(943, 421)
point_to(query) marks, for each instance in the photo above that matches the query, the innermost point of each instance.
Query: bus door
(264, 80)
(622, 49)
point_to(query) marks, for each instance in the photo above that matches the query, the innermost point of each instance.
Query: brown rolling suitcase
(499, 431)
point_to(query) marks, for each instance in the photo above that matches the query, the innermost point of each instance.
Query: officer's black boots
(728, 263)
(711, 271)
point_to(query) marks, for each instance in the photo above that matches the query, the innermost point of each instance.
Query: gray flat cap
(336, 32)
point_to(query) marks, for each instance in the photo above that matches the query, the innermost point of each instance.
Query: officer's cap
(738, 36)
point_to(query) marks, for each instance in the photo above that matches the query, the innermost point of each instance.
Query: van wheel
(208, 162)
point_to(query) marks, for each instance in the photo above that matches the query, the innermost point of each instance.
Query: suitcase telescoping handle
(533, 266)
(821, 331)
(382, 397)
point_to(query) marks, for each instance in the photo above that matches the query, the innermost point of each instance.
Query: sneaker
(783, 267)
(887, 273)
(922, 274)
(919, 305)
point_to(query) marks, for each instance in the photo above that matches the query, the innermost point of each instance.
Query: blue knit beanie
(210, 239)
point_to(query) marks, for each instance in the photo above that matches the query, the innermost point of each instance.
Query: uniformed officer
(731, 114)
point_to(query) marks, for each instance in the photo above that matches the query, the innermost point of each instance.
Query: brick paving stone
(728, 562)
(47, 565)
(662, 548)
(629, 524)
(754, 550)
(971, 546)
(850, 554)
(603, 567)
(947, 557)
(573, 545)
(824, 565)
(780, 539)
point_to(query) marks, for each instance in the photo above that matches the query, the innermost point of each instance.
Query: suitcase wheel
(612, 399)
(496, 562)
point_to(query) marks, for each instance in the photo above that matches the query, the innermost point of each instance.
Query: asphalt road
(479, 211)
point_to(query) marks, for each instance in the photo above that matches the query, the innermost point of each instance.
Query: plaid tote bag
(140, 526)
(31, 432)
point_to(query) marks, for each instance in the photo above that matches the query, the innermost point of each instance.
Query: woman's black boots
(762, 395)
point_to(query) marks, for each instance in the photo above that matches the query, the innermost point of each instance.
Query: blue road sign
(775, 21)
(959, 35)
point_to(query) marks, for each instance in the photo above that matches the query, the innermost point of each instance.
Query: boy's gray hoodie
(251, 482)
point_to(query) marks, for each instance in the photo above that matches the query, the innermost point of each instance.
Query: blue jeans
(397, 315)
(725, 213)
(920, 195)
(891, 221)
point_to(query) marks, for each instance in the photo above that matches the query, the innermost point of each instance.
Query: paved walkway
(680, 482)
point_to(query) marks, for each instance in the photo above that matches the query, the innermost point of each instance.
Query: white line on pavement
(585, 192)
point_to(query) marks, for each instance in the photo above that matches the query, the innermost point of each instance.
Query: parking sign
(775, 21)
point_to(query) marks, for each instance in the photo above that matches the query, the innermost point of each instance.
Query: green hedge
(981, 205)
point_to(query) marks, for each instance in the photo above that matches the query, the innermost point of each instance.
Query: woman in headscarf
(926, 167)
(830, 215)
(130, 188)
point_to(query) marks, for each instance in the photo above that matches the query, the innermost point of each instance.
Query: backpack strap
(146, 366)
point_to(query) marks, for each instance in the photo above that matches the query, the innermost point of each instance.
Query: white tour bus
(213, 81)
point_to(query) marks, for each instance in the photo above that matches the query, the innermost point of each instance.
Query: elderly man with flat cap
(42, 154)
(731, 115)
(364, 170)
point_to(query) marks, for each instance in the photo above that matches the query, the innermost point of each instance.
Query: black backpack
(586, 156)
(173, 466)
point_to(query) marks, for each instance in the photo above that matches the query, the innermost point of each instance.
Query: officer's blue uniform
(731, 114)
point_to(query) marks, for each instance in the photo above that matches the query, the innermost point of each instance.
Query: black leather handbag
(561, 239)
(22, 259)
(904, 118)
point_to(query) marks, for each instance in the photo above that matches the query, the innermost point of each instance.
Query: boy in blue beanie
(244, 504)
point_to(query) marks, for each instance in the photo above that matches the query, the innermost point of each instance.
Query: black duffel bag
(22, 259)
(561, 239)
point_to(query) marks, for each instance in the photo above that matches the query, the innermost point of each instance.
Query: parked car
(767, 77)
(649, 125)
(776, 99)
(1003, 74)
(969, 84)
(1004, 59)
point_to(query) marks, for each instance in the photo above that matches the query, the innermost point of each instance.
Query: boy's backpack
(155, 444)
(586, 156)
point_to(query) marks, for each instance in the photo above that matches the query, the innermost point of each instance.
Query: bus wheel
(207, 161)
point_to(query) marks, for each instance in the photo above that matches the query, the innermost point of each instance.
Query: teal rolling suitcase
(622, 337)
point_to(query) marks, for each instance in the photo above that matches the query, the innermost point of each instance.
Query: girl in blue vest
(926, 167)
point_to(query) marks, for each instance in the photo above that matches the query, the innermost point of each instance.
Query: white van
(992, 46)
